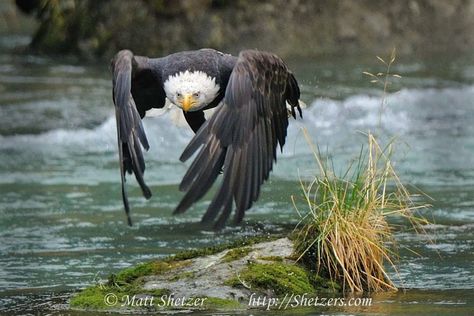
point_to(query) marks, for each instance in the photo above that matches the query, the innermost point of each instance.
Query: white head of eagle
(191, 91)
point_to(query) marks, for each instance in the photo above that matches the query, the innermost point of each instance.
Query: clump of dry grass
(345, 234)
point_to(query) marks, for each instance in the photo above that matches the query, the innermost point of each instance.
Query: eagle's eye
(179, 95)
(196, 94)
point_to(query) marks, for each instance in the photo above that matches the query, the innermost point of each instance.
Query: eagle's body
(250, 92)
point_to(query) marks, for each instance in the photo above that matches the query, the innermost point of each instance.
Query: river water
(62, 225)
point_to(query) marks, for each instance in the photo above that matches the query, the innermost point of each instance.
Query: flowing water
(62, 225)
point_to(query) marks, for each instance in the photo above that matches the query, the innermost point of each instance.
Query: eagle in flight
(252, 93)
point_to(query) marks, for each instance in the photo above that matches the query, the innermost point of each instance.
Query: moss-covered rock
(222, 277)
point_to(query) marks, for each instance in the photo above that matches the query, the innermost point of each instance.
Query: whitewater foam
(327, 120)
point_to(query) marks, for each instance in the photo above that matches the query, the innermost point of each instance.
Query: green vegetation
(183, 275)
(129, 275)
(94, 297)
(272, 258)
(126, 282)
(221, 303)
(91, 297)
(280, 278)
(345, 235)
(236, 253)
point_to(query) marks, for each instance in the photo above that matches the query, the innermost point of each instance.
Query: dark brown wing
(136, 88)
(241, 137)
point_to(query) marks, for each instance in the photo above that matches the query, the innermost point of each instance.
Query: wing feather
(131, 135)
(242, 137)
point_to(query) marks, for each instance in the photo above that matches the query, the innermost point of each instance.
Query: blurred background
(97, 29)
(62, 225)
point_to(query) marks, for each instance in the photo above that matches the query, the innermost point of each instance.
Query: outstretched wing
(241, 137)
(136, 88)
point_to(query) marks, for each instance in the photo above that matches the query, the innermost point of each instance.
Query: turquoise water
(62, 225)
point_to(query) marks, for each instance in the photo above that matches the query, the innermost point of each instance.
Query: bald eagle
(250, 92)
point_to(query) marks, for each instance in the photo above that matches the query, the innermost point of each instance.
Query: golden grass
(345, 235)
(384, 78)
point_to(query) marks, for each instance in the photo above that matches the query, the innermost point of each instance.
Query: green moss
(272, 258)
(90, 298)
(126, 282)
(183, 275)
(236, 253)
(129, 274)
(95, 297)
(279, 277)
(221, 303)
(323, 283)
(149, 268)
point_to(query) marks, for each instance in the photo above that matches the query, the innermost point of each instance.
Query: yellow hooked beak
(188, 102)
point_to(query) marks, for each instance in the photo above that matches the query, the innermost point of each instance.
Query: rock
(214, 278)
(196, 281)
